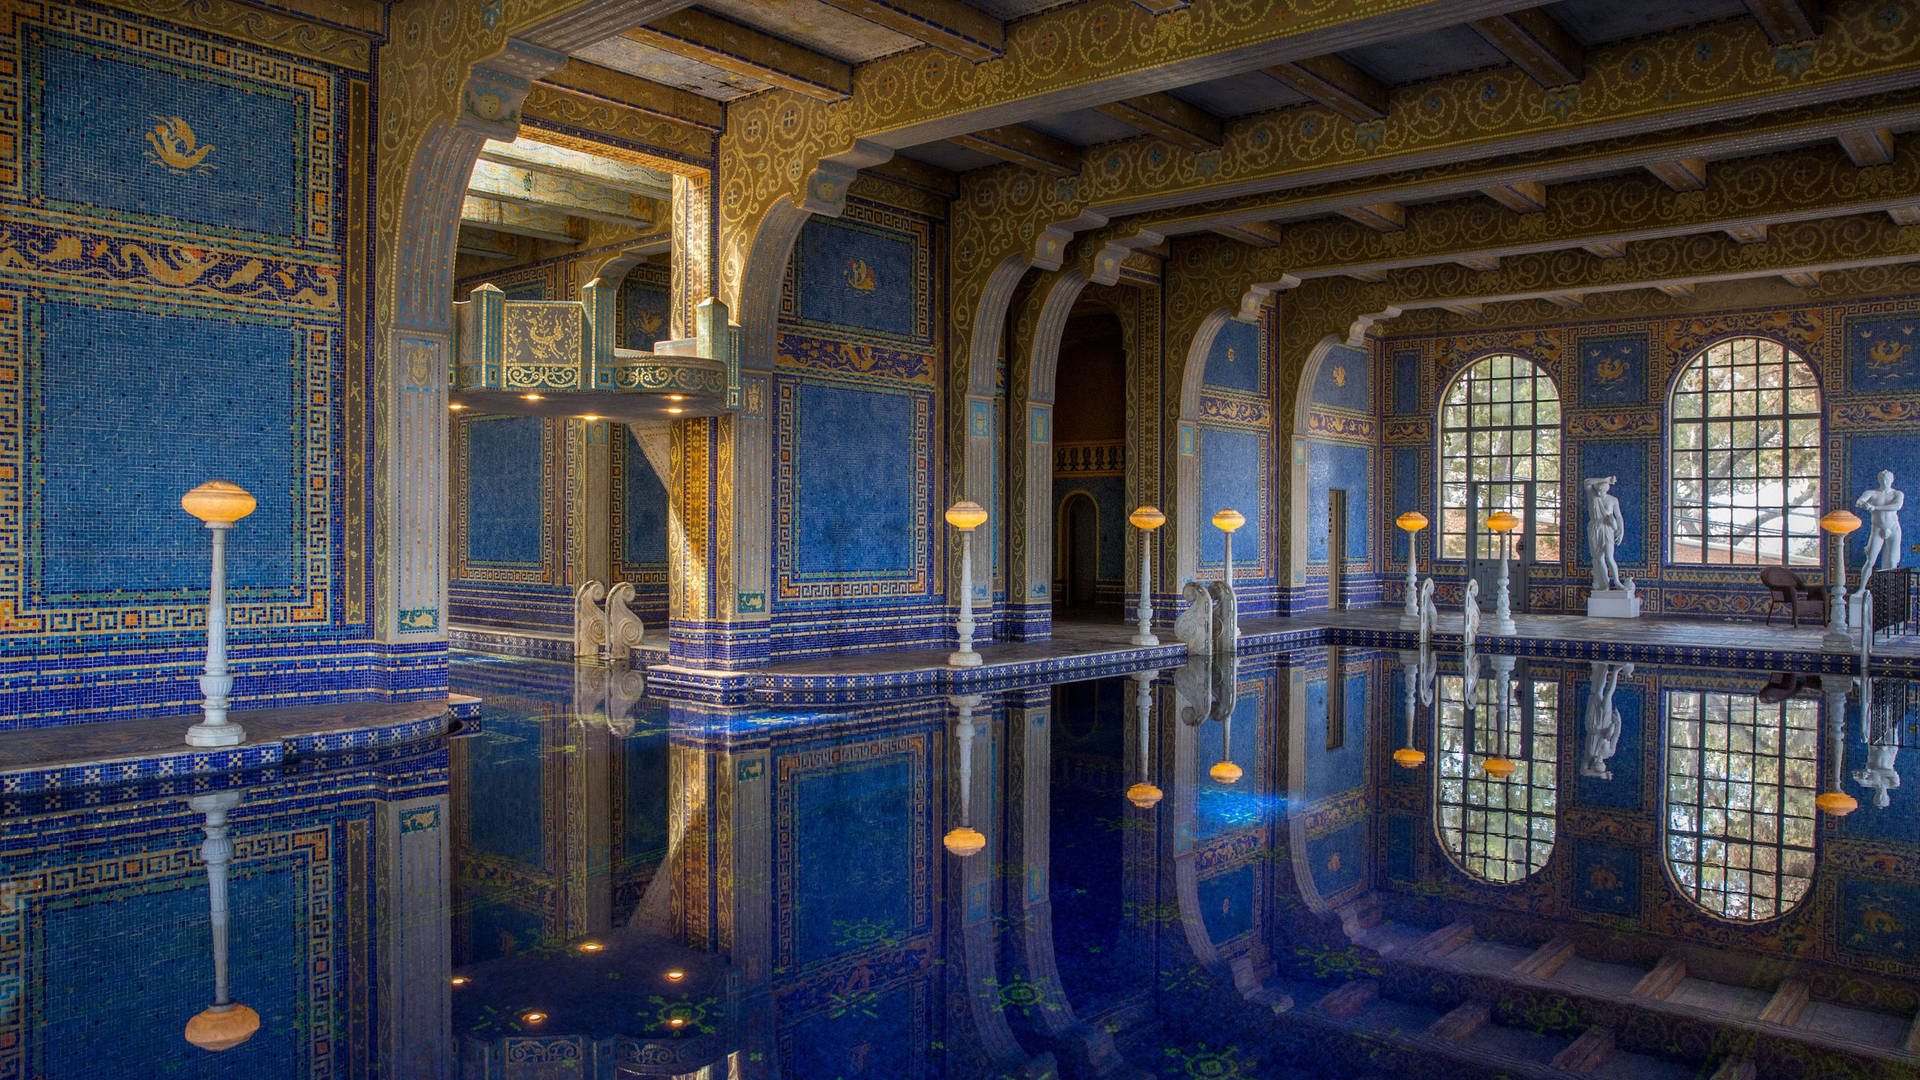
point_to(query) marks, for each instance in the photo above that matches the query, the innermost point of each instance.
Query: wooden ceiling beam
(1868, 148)
(1748, 234)
(1381, 217)
(1521, 197)
(1536, 44)
(1167, 117)
(573, 197)
(568, 164)
(1805, 279)
(1606, 250)
(1482, 263)
(1786, 21)
(1371, 277)
(947, 25)
(485, 243)
(1678, 292)
(729, 46)
(1686, 174)
(1905, 215)
(1471, 311)
(1570, 301)
(1257, 233)
(1336, 84)
(1024, 146)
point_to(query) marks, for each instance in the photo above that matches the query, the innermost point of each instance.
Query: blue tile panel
(1350, 468)
(1235, 362)
(854, 457)
(859, 276)
(505, 492)
(1233, 475)
(1883, 353)
(1406, 382)
(645, 303)
(1345, 379)
(1628, 462)
(1613, 369)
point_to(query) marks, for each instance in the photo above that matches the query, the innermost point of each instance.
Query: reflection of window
(1500, 429)
(1746, 457)
(1739, 801)
(1497, 830)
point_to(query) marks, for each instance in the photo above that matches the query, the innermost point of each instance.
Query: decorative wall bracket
(558, 358)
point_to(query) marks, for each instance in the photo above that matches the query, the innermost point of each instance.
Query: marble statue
(1469, 634)
(1602, 720)
(1882, 773)
(1223, 683)
(1192, 690)
(1194, 627)
(1883, 505)
(1605, 529)
(1612, 596)
(1429, 613)
(589, 621)
(1226, 617)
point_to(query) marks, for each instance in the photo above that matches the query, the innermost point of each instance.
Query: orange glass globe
(1408, 758)
(1411, 521)
(218, 502)
(1147, 518)
(1836, 803)
(965, 841)
(222, 1027)
(1226, 772)
(1498, 767)
(1145, 796)
(966, 515)
(1500, 521)
(1840, 522)
(1229, 520)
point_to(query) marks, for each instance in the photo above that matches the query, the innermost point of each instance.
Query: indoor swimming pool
(1335, 862)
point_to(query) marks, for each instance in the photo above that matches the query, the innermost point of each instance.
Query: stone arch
(1185, 518)
(1298, 495)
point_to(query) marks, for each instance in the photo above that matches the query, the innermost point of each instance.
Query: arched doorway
(1090, 466)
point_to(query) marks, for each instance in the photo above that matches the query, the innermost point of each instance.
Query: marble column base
(1613, 604)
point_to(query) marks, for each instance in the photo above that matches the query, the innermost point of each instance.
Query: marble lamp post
(1839, 523)
(219, 504)
(1411, 523)
(1409, 756)
(226, 1023)
(1144, 794)
(1227, 521)
(1834, 802)
(1503, 523)
(966, 516)
(1498, 765)
(1146, 519)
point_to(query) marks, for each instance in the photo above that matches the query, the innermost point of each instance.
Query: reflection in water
(1741, 778)
(596, 884)
(1496, 776)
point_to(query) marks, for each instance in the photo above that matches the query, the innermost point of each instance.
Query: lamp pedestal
(217, 683)
(1146, 519)
(964, 656)
(1502, 602)
(1838, 637)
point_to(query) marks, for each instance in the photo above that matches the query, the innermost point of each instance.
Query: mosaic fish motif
(175, 146)
(1611, 370)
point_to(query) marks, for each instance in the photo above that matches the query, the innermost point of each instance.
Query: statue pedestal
(1613, 604)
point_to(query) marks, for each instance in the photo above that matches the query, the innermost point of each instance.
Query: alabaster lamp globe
(1229, 520)
(965, 841)
(966, 515)
(1145, 796)
(1836, 803)
(1498, 767)
(1840, 522)
(1408, 758)
(218, 502)
(222, 1027)
(1147, 518)
(1225, 772)
(1500, 521)
(1412, 521)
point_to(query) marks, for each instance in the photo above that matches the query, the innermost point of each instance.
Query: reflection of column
(416, 935)
(1834, 801)
(1029, 896)
(589, 826)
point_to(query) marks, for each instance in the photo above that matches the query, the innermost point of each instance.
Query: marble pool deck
(1086, 649)
(40, 760)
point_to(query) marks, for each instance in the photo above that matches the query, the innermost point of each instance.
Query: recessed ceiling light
(676, 397)
(455, 406)
(533, 397)
(676, 410)
(588, 417)
(461, 980)
(591, 946)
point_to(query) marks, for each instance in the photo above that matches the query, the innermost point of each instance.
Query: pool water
(1330, 863)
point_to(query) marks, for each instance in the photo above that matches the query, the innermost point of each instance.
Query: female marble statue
(1605, 529)
(1883, 537)
(1602, 720)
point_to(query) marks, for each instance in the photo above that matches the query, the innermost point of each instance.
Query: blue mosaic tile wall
(178, 220)
(509, 523)
(858, 544)
(1235, 441)
(639, 526)
(643, 307)
(1342, 450)
(1613, 377)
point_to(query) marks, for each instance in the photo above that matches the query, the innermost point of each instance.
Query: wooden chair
(1784, 587)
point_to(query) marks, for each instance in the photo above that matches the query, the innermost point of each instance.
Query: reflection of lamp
(1225, 771)
(1146, 519)
(964, 840)
(1408, 756)
(226, 1023)
(1503, 523)
(1839, 523)
(1412, 522)
(966, 515)
(1227, 521)
(219, 504)
(1835, 802)
(1499, 765)
(1143, 794)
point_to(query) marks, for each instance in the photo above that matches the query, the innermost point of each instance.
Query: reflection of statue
(1194, 627)
(1883, 537)
(1223, 678)
(1605, 530)
(1470, 615)
(1603, 720)
(1429, 612)
(1882, 773)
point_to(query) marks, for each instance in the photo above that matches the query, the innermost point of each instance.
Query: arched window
(1497, 830)
(1745, 459)
(1738, 808)
(1499, 435)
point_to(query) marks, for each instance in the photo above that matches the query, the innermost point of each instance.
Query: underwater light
(532, 1017)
